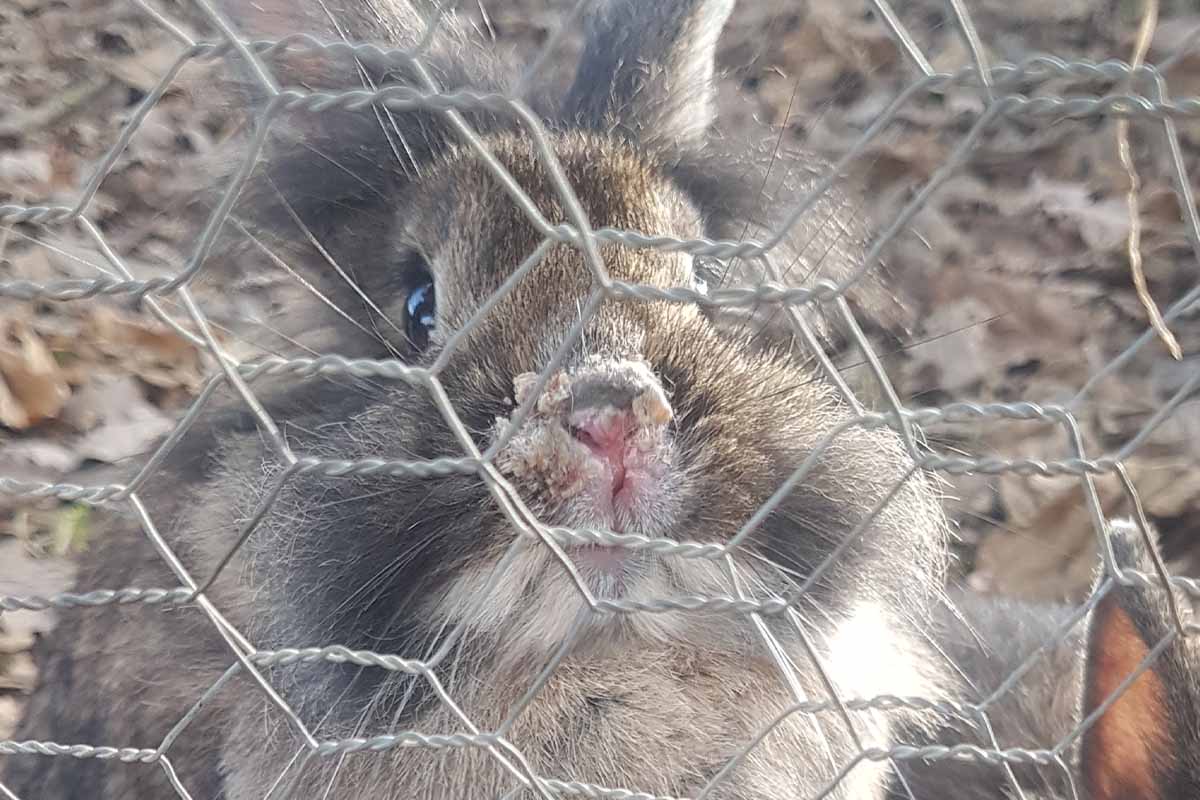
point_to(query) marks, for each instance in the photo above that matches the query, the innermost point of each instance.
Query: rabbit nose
(616, 398)
(597, 437)
(612, 407)
(606, 435)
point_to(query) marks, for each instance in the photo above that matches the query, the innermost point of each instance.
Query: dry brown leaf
(10, 714)
(36, 387)
(116, 330)
(961, 360)
(1047, 548)
(985, 336)
(19, 673)
(1168, 487)
(866, 45)
(1103, 224)
(11, 412)
(143, 70)
(146, 348)
(911, 157)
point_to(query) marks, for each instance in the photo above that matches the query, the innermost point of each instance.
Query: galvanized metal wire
(997, 85)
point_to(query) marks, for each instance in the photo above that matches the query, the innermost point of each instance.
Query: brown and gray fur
(654, 703)
(1145, 746)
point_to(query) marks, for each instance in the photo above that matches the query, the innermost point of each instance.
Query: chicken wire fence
(1150, 101)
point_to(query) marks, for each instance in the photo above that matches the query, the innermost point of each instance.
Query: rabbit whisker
(370, 85)
(308, 286)
(331, 261)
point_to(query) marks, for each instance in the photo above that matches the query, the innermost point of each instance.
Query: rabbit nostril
(602, 434)
(606, 435)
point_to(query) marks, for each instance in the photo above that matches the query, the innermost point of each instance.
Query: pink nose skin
(606, 434)
(599, 442)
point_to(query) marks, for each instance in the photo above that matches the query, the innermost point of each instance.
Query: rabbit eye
(421, 308)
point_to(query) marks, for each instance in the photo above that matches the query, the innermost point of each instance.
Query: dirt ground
(1012, 282)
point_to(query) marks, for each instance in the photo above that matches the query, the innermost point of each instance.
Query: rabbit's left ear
(396, 23)
(647, 70)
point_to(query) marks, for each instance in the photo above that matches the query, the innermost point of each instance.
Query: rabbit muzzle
(598, 446)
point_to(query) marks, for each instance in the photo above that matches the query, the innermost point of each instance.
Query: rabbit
(664, 420)
(1145, 746)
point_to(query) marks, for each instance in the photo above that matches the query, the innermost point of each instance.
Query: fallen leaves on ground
(32, 386)
(145, 347)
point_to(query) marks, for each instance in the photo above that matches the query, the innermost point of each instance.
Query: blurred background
(1011, 283)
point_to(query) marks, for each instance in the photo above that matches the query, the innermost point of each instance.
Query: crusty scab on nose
(590, 426)
(600, 383)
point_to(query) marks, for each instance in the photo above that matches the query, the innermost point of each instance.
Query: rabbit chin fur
(657, 702)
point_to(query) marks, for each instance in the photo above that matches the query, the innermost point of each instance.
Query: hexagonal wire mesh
(1000, 101)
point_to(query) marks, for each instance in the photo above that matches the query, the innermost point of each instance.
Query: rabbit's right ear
(1144, 745)
(647, 69)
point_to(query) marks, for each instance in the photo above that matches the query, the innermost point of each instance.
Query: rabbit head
(437, 231)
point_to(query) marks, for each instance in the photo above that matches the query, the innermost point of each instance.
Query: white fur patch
(867, 657)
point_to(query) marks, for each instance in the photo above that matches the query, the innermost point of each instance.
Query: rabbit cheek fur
(653, 701)
(656, 701)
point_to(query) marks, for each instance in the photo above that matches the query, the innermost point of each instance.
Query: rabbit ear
(1122, 747)
(385, 23)
(395, 22)
(1142, 746)
(647, 69)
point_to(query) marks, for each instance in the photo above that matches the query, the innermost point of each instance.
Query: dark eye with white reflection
(421, 307)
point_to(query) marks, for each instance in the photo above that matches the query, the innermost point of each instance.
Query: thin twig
(1145, 34)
